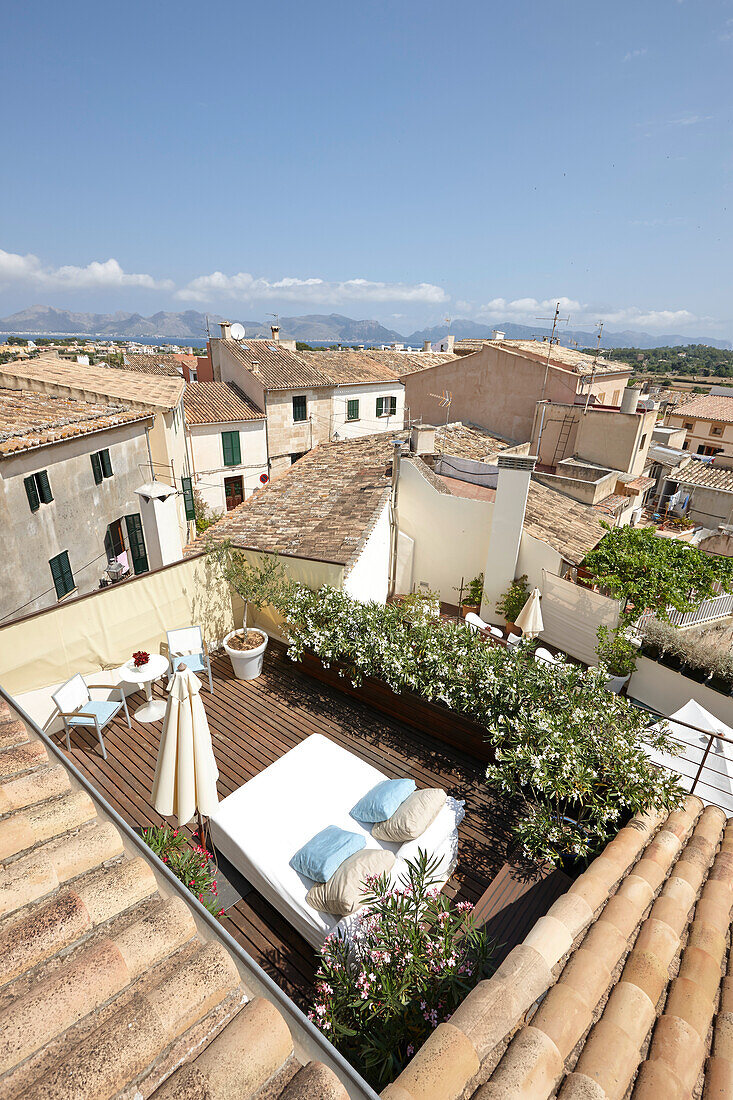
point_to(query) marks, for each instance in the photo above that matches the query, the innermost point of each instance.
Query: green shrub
(514, 599)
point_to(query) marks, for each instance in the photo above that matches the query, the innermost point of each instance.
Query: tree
(259, 585)
(643, 570)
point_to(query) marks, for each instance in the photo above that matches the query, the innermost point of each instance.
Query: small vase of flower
(140, 658)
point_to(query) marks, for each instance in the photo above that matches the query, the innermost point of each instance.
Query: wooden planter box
(440, 722)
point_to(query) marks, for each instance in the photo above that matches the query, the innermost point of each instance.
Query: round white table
(154, 709)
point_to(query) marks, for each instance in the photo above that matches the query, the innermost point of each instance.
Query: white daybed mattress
(261, 826)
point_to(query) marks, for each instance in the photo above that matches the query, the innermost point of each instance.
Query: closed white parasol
(186, 771)
(529, 619)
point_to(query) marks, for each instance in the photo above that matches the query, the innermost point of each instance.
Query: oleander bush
(189, 861)
(414, 957)
(574, 756)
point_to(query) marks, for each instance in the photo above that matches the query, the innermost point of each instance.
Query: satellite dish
(237, 332)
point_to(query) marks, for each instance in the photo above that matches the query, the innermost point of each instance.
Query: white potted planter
(247, 663)
(616, 683)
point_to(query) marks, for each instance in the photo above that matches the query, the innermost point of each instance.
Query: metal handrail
(315, 1041)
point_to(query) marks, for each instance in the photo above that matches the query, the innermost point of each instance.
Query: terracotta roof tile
(280, 369)
(707, 407)
(90, 382)
(29, 419)
(218, 403)
(164, 364)
(571, 528)
(579, 362)
(469, 441)
(707, 475)
(106, 987)
(321, 508)
(387, 363)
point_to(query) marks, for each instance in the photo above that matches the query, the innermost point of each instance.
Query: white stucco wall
(534, 556)
(451, 534)
(369, 577)
(208, 458)
(368, 421)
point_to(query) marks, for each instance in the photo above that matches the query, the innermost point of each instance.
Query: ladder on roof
(563, 436)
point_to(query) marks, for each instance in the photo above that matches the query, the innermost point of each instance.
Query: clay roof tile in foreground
(623, 989)
(29, 419)
(108, 988)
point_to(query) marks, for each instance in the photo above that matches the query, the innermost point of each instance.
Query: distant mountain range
(313, 328)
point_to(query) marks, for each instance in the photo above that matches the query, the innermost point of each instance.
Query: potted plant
(512, 601)
(618, 655)
(258, 586)
(474, 595)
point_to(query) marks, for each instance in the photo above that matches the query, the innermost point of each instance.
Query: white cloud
(586, 315)
(30, 271)
(633, 55)
(244, 287)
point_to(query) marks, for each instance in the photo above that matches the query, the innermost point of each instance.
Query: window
(616, 396)
(101, 465)
(38, 490)
(294, 457)
(642, 441)
(63, 578)
(134, 527)
(716, 429)
(233, 491)
(386, 406)
(230, 447)
(352, 409)
(188, 499)
(687, 425)
(300, 409)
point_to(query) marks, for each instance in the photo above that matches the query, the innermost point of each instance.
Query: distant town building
(708, 422)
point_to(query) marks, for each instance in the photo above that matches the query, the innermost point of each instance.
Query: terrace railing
(716, 608)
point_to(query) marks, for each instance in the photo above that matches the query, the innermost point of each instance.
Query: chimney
(275, 330)
(161, 528)
(226, 330)
(497, 334)
(448, 342)
(507, 522)
(630, 399)
(427, 346)
(422, 439)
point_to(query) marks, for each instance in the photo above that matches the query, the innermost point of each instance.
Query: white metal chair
(543, 654)
(513, 639)
(188, 646)
(475, 622)
(77, 708)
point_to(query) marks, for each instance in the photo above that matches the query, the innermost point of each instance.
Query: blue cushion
(194, 661)
(102, 710)
(381, 801)
(322, 856)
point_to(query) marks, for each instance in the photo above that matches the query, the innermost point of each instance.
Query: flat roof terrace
(254, 723)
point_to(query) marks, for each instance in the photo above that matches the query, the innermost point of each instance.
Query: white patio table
(145, 676)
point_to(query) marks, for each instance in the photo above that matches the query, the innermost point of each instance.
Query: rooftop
(579, 362)
(218, 403)
(707, 407)
(280, 369)
(321, 508)
(469, 441)
(400, 362)
(113, 985)
(87, 382)
(29, 420)
(164, 364)
(707, 475)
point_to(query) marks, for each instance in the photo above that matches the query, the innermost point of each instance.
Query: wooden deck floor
(253, 724)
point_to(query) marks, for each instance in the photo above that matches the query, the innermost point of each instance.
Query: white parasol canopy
(186, 771)
(529, 619)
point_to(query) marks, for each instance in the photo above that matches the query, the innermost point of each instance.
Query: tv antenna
(277, 318)
(444, 400)
(556, 319)
(591, 380)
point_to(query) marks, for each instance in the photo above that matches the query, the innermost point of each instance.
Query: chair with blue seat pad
(187, 646)
(77, 708)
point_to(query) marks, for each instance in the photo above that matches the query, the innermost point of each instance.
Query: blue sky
(405, 161)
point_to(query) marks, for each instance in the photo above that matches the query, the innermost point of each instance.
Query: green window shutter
(134, 527)
(380, 406)
(32, 492)
(63, 578)
(97, 468)
(230, 448)
(392, 405)
(352, 409)
(188, 500)
(106, 463)
(300, 408)
(44, 487)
